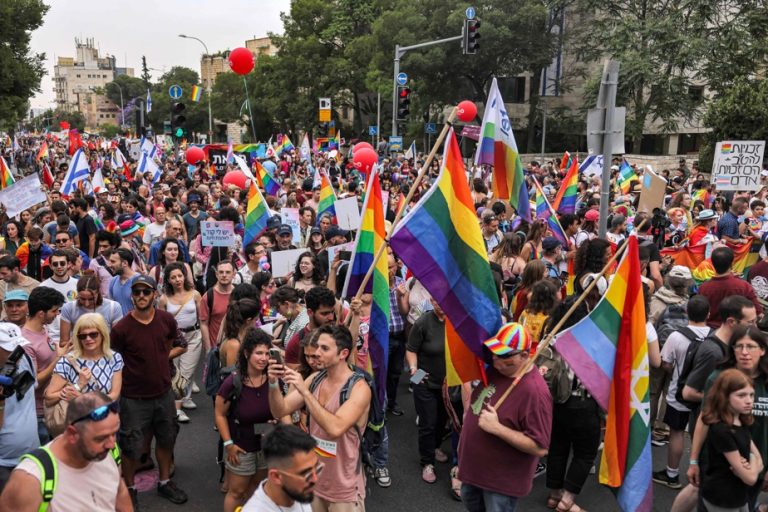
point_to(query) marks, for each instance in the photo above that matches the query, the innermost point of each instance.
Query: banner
(217, 234)
(738, 164)
(290, 216)
(22, 195)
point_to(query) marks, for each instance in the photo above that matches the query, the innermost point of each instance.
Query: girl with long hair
(13, 235)
(533, 272)
(544, 296)
(89, 300)
(532, 248)
(307, 274)
(507, 255)
(241, 315)
(266, 285)
(170, 252)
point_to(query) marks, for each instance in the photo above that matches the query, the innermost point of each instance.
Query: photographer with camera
(647, 238)
(18, 421)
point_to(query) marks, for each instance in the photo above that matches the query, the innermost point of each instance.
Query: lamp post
(208, 85)
(122, 110)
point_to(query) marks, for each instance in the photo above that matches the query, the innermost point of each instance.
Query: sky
(130, 29)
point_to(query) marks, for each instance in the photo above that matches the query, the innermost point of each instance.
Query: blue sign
(373, 130)
(430, 128)
(470, 12)
(395, 143)
(175, 92)
(402, 79)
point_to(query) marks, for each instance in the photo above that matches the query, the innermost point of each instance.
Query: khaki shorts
(321, 505)
(250, 462)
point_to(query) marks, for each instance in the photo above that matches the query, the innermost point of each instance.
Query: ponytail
(237, 313)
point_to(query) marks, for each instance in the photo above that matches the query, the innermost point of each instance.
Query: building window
(78, 76)
(512, 89)
(696, 94)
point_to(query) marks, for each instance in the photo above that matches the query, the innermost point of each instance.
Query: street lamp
(122, 110)
(208, 85)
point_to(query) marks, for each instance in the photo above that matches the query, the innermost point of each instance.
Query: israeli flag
(591, 166)
(146, 164)
(149, 102)
(148, 147)
(78, 171)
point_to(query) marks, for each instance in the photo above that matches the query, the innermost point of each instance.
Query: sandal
(554, 499)
(573, 507)
(455, 484)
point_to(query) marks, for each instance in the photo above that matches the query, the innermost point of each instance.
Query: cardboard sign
(652, 192)
(333, 250)
(284, 262)
(348, 213)
(738, 164)
(290, 216)
(217, 234)
(22, 195)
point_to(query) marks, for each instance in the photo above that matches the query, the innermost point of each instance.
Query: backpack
(49, 472)
(556, 374)
(674, 318)
(687, 366)
(373, 436)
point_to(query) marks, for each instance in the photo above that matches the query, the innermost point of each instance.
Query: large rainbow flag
(441, 243)
(267, 182)
(6, 177)
(43, 153)
(565, 200)
(626, 177)
(284, 144)
(498, 148)
(696, 258)
(608, 352)
(256, 215)
(370, 239)
(544, 211)
(327, 203)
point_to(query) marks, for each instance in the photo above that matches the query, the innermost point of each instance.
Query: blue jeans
(381, 455)
(476, 499)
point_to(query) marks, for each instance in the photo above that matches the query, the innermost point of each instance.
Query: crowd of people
(112, 306)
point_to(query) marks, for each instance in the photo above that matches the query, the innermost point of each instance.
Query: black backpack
(687, 367)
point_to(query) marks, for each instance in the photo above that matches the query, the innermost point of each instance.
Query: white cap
(10, 336)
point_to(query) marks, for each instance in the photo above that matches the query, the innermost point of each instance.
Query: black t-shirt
(719, 485)
(427, 340)
(86, 227)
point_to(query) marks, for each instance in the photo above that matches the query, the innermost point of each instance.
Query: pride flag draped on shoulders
(498, 148)
(608, 352)
(441, 244)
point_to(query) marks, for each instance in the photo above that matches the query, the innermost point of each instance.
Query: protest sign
(349, 246)
(652, 192)
(385, 199)
(284, 262)
(290, 216)
(22, 195)
(218, 158)
(217, 234)
(738, 164)
(348, 213)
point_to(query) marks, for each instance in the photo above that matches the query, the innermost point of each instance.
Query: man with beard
(80, 454)
(121, 263)
(293, 468)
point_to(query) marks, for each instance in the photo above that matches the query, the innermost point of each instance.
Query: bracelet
(227, 443)
(693, 462)
(274, 385)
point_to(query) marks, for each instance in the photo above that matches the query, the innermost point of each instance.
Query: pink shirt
(42, 350)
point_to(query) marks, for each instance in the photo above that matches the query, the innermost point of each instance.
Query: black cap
(315, 231)
(274, 222)
(550, 243)
(144, 280)
(284, 229)
(335, 231)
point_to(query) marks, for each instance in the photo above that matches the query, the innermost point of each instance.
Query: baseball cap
(510, 339)
(315, 231)
(550, 243)
(680, 271)
(16, 295)
(193, 198)
(274, 222)
(145, 281)
(335, 231)
(10, 336)
(592, 216)
(284, 230)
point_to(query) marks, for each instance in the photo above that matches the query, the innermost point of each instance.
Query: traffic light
(178, 119)
(403, 102)
(471, 36)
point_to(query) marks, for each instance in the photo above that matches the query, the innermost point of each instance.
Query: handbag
(179, 383)
(55, 416)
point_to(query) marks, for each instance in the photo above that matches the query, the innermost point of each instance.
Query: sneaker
(134, 498)
(181, 416)
(195, 389)
(428, 474)
(659, 442)
(661, 477)
(188, 404)
(172, 493)
(541, 468)
(395, 411)
(441, 456)
(381, 475)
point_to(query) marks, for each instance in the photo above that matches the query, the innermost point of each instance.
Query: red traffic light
(404, 92)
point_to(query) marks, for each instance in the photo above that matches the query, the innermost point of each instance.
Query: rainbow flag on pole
(327, 203)
(256, 215)
(43, 153)
(267, 182)
(441, 243)
(626, 177)
(608, 352)
(565, 200)
(370, 239)
(6, 177)
(544, 211)
(283, 145)
(197, 93)
(498, 148)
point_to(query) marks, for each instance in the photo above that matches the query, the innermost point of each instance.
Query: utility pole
(606, 105)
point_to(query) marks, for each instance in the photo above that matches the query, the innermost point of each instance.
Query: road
(197, 473)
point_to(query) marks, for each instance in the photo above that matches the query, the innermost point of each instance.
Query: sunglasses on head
(99, 413)
(85, 335)
(142, 291)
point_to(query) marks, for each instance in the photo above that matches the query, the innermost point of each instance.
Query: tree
(22, 69)
(52, 118)
(196, 113)
(132, 87)
(145, 76)
(229, 100)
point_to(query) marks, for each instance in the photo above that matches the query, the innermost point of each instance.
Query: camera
(12, 380)
(659, 225)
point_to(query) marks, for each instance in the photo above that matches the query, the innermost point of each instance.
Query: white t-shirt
(260, 502)
(69, 290)
(153, 232)
(673, 352)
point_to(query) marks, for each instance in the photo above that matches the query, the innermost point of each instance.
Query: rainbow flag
(744, 256)
(702, 195)
(370, 239)
(6, 177)
(626, 177)
(565, 200)
(197, 92)
(326, 205)
(43, 153)
(498, 148)
(441, 243)
(727, 147)
(608, 352)
(565, 162)
(545, 212)
(400, 203)
(256, 215)
(285, 144)
(267, 182)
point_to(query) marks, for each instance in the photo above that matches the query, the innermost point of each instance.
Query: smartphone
(419, 376)
(276, 354)
(345, 255)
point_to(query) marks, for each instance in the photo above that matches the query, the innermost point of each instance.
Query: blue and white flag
(146, 164)
(592, 165)
(244, 167)
(146, 146)
(77, 172)
(149, 102)
(411, 153)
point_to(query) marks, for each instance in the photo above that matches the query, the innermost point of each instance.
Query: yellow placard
(325, 115)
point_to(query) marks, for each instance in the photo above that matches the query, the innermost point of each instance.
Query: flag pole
(411, 192)
(551, 335)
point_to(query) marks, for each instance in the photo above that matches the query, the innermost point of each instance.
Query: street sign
(395, 143)
(325, 103)
(175, 92)
(596, 127)
(325, 110)
(430, 128)
(470, 12)
(373, 130)
(402, 79)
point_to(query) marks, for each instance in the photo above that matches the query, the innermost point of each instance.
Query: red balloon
(361, 145)
(241, 61)
(236, 178)
(467, 111)
(364, 160)
(194, 155)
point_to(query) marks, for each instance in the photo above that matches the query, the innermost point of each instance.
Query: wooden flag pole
(551, 335)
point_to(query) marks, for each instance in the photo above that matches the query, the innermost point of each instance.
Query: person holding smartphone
(425, 355)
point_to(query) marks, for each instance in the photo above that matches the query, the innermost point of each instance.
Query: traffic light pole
(399, 52)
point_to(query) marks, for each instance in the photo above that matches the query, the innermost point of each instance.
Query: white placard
(284, 262)
(385, 200)
(349, 246)
(217, 233)
(738, 164)
(22, 195)
(348, 213)
(290, 216)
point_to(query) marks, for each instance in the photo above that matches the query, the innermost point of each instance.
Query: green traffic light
(179, 132)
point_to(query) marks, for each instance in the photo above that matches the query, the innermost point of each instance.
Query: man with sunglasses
(81, 454)
(145, 338)
(293, 468)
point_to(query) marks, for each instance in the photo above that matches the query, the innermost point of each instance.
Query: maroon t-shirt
(252, 408)
(718, 288)
(528, 409)
(292, 348)
(145, 349)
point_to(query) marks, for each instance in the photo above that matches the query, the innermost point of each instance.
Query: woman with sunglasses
(182, 301)
(89, 300)
(242, 417)
(170, 252)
